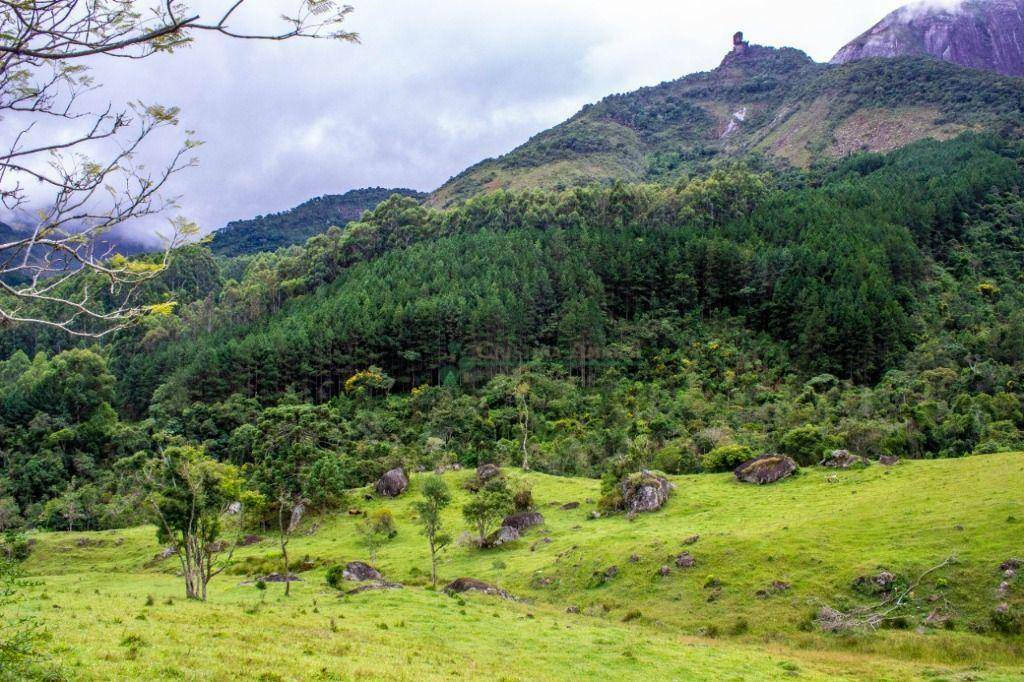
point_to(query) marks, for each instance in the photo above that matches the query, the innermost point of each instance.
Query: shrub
(335, 577)
(806, 444)
(677, 459)
(1008, 620)
(726, 457)
(16, 546)
(522, 497)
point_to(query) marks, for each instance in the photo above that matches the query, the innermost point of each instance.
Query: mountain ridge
(979, 34)
(294, 226)
(765, 106)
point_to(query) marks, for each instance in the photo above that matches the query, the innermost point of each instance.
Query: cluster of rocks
(881, 584)
(844, 459)
(513, 527)
(1009, 570)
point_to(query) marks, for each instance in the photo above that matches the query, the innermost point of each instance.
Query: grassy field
(108, 617)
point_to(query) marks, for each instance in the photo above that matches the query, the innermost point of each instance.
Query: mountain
(775, 107)
(272, 232)
(980, 34)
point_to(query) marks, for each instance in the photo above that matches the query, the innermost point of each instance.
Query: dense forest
(275, 231)
(873, 304)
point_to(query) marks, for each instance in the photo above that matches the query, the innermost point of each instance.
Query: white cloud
(435, 87)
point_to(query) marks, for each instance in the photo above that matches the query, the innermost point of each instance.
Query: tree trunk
(284, 551)
(433, 564)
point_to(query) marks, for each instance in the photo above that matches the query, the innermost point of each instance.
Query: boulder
(373, 586)
(463, 585)
(524, 521)
(569, 506)
(486, 472)
(776, 587)
(766, 469)
(279, 578)
(888, 461)
(685, 560)
(844, 459)
(879, 584)
(250, 540)
(503, 535)
(392, 484)
(1012, 565)
(664, 571)
(692, 540)
(359, 572)
(645, 492)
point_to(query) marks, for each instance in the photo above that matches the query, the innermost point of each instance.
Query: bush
(727, 457)
(522, 497)
(677, 459)
(806, 444)
(16, 546)
(1008, 620)
(335, 577)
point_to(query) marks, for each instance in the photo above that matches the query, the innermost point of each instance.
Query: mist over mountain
(980, 34)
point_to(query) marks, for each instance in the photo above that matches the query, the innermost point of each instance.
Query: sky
(432, 88)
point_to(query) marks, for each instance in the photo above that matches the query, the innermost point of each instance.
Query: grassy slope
(816, 533)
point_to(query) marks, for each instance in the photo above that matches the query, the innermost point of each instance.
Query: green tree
(435, 499)
(189, 494)
(488, 508)
(376, 530)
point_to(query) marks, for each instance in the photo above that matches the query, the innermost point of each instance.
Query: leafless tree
(75, 168)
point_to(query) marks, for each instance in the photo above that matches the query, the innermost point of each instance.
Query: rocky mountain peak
(980, 34)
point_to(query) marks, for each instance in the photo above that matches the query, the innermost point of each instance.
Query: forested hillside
(873, 304)
(272, 232)
(770, 107)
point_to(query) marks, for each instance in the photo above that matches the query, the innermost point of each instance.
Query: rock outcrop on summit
(980, 34)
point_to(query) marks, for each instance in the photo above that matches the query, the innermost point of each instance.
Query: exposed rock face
(645, 492)
(503, 535)
(472, 585)
(524, 521)
(767, 469)
(844, 459)
(392, 484)
(980, 34)
(359, 572)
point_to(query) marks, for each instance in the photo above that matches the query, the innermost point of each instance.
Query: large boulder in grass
(463, 585)
(766, 469)
(844, 459)
(503, 536)
(359, 572)
(392, 484)
(523, 522)
(486, 472)
(645, 491)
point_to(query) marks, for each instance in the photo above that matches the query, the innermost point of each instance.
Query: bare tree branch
(84, 160)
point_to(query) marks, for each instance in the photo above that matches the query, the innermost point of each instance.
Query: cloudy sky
(434, 86)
